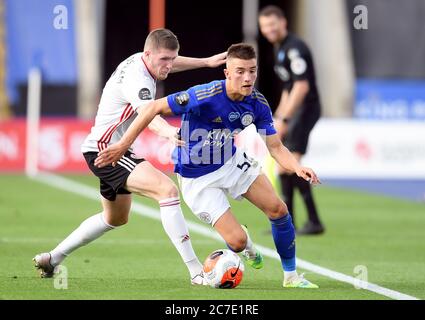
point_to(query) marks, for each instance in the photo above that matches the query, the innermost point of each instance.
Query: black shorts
(113, 179)
(299, 128)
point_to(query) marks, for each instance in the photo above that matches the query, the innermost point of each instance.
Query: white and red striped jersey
(130, 87)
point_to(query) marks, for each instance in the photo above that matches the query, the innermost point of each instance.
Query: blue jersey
(210, 121)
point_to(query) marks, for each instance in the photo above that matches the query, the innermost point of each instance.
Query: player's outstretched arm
(285, 158)
(114, 152)
(185, 63)
(162, 128)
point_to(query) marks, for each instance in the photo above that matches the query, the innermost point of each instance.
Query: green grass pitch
(138, 261)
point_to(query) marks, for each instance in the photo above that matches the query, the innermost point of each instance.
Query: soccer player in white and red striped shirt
(130, 88)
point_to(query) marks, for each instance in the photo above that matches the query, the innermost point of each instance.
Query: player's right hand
(110, 155)
(217, 60)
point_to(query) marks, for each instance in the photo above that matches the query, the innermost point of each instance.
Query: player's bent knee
(116, 219)
(238, 243)
(169, 190)
(117, 222)
(277, 210)
(237, 246)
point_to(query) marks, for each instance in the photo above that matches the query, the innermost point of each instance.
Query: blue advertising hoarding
(35, 37)
(390, 99)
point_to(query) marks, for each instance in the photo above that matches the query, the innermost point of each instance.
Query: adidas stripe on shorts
(113, 179)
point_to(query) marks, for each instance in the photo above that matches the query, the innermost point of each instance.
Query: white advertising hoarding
(361, 149)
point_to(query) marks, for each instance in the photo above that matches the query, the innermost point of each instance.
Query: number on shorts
(247, 163)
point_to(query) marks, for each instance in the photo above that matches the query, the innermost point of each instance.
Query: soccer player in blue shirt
(209, 166)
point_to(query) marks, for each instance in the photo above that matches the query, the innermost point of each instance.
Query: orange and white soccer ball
(223, 269)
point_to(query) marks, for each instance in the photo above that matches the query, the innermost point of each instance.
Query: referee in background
(299, 106)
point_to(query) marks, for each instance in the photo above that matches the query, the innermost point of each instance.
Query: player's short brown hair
(272, 10)
(162, 38)
(242, 51)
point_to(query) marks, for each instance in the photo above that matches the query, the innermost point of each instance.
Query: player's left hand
(110, 155)
(216, 60)
(308, 175)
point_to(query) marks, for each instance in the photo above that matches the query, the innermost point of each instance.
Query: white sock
(287, 275)
(250, 249)
(176, 228)
(89, 230)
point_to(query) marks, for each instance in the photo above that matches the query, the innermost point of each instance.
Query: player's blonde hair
(161, 38)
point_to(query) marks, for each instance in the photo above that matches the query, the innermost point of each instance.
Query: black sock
(287, 185)
(305, 190)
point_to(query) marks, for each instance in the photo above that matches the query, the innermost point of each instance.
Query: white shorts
(206, 195)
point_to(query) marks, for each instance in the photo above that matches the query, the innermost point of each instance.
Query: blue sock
(284, 239)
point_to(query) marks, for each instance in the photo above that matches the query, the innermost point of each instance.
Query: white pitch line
(92, 193)
(102, 241)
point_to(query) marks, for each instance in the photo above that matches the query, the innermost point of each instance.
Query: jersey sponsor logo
(298, 66)
(145, 94)
(215, 138)
(247, 118)
(217, 120)
(234, 116)
(182, 98)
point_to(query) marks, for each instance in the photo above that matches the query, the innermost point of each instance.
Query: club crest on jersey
(234, 116)
(298, 66)
(293, 53)
(145, 94)
(182, 98)
(247, 118)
